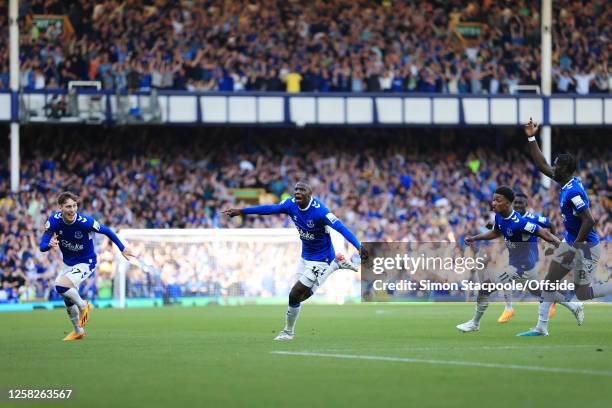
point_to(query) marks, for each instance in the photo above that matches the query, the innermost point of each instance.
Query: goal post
(195, 266)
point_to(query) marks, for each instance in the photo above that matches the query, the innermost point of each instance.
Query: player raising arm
(73, 232)
(582, 251)
(318, 261)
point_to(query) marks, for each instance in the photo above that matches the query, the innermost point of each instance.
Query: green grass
(222, 357)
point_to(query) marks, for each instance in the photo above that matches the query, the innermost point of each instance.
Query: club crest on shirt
(310, 224)
(78, 235)
(509, 232)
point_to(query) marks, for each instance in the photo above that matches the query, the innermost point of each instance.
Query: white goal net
(249, 264)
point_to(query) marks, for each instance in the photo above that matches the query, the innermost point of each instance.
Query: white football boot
(579, 313)
(469, 326)
(284, 335)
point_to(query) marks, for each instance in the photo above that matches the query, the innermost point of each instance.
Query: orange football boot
(74, 336)
(506, 316)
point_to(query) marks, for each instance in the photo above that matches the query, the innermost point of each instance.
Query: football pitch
(366, 355)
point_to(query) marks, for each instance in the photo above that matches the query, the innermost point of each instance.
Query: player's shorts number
(77, 271)
(316, 271)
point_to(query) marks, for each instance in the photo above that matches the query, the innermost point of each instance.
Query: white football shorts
(583, 263)
(77, 274)
(313, 274)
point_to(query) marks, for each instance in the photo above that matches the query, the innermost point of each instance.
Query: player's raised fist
(233, 212)
(469, 240)
(531, 128)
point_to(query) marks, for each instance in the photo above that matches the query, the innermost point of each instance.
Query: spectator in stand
(583, 81)
(293, 80)
(565, 82)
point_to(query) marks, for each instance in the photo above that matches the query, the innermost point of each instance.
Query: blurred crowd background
(305, 45)
(385, 184)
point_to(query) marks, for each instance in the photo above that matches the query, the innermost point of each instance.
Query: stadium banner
(454, 272)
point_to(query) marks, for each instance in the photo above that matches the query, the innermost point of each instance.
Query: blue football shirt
(519, 235)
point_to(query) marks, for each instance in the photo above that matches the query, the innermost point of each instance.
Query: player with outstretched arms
(312, 220)
(580, 250)
(73, 233)
(520, 205)
(522, 252)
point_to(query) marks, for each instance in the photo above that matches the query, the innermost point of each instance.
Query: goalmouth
(250, 263)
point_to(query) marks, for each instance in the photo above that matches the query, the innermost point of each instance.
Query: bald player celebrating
(313, 221)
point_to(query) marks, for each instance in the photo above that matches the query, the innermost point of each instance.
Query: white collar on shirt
(308, 206)
(568, 183)
(510, 216)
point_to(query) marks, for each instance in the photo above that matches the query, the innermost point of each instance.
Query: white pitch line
(517, 347)
(447, 362)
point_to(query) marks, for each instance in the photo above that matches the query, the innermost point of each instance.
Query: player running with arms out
(318, 261)
(520, 206)
(580, 249)
(73, 233)
(522, 252)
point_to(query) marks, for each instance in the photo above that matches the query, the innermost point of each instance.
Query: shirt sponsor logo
(72, 247)
(306, 235)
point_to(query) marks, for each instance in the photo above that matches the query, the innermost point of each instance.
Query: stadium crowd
(303, 45)
(386, 185)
